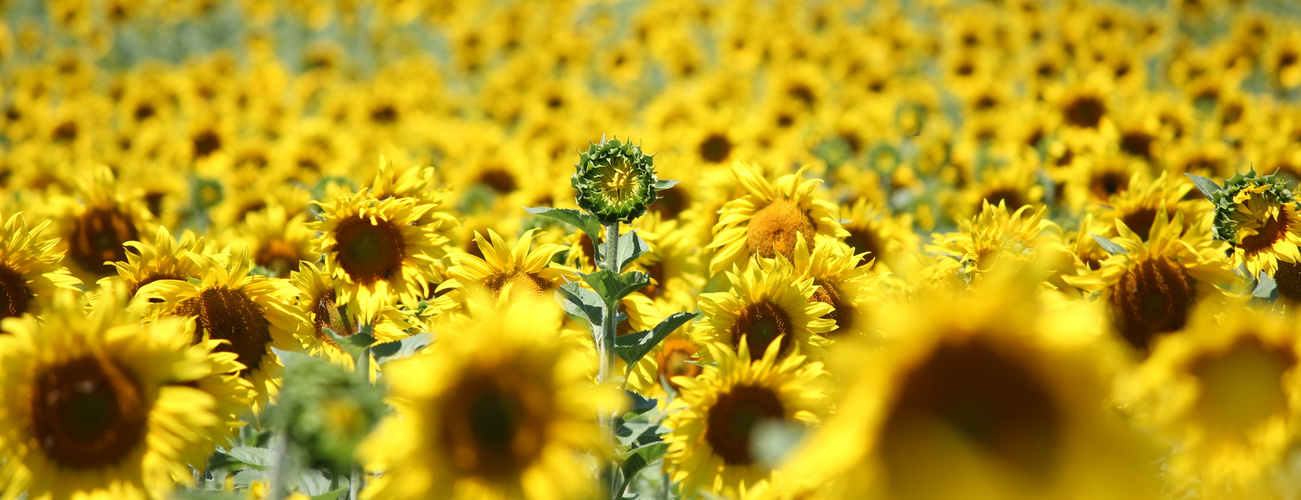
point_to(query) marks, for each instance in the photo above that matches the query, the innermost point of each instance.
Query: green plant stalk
(358, 474)
(605, 350)
(280, 467)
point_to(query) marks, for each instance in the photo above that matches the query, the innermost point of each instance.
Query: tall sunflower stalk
(615, 182)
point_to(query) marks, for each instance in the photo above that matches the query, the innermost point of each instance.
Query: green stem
(358, 477)
(280, 467)
(605, 349)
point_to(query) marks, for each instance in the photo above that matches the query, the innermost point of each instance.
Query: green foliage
(632, 347)
(326, 410)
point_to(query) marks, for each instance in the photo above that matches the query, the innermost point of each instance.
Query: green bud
(615, 181)
(1226, 198)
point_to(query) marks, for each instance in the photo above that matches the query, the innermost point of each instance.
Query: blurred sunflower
(252, 313)
(885, 237)
(1137, 203)
(496, 409)
(770, 217)
(96, 230)
(100, 406)
(992, 239)
(375, 253)
(711, 444)
(522, 269)
(1151, 288)
(763, 305)
(30, 269)
(277, 240)
(1229, 391)
(995, 392)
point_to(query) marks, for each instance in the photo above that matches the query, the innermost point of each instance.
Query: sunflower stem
(357, 477)
(605, 347)
(280, 467)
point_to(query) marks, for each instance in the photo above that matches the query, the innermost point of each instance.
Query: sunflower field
(616, 249)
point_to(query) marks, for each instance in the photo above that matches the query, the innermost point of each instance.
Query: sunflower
(1142, 197)
(1151, 288)
(30, 269)
(320, 302)
(96, 230)
(992, 394)
(376, 253)
(417, 183)
(764, 304)
(100, 406)
(843, 280)
(676, 356)
(885, 237)
(716, 416)
(1262, 224)
(496, 409)
(277, 241)
(770, 217)
(165, 259)
(1229, 392)
(251, 313)
(995, 238)
(521, 268)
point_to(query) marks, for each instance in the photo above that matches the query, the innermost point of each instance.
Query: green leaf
(402, 348)
(1206, 186)
(612, 287)
(313, 482)
(632, 347)
(256, 457)
(662, 184)
(1266, 287)
(353, 344)
(581, 303)
(1110, 246)
(628, 248)
(639, 459)
(581, 220)
(289, 358)
(330, 495)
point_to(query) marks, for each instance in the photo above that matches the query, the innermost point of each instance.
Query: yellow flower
(277, 241)
(251, 313)
(520, 268)
(1266, 231)
(320, 303)
(1152, 287)
(770, 217)
(165, 259)
(714, 420)
(995, 238)
(375, 252)
(841, 282)
(496, 408)
(764, 305)
(98, 406)
(989, 393)
(1228, 391)
(30, 269)
(96, 231)
(886, 238)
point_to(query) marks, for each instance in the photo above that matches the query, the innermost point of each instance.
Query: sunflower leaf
(581, 220)
(1266, 288)
(613, 286)
(628, 248)
(313, 482)
(255, 457)
(353, 344)
(402, 348)
(1110, 246)
(1206, 186)
(639, 459)
(581, 303)
(662, 184)
(632, 347)
(288, 358)
(330, 495)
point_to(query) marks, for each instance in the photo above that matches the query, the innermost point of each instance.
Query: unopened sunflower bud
(615, 181)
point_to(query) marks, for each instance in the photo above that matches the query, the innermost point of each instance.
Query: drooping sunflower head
(994, 391)
(1228, 392)
(1152, 287)
(30, 269)
(496, 408)
(100, 404)
(768, 220)
(615, 181)
(766, 304)
(1257, 214)
(718, 413)
(375, 251)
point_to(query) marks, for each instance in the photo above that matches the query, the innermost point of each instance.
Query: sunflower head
(1258, 215)
(615, 181)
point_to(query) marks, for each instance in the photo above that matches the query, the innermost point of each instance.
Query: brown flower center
(1242, 386)
(1288, 280)
(494, 423)
(974, 393)
(1152, 298)
(1104, 184)
(88, 413)
(230, 315)
(843, 314)
(97, 237)
(499, 179)
(518, 280)
(328, 316)
(715, 148)
(1274, 230)
(674, 359)
(369, 252)
(732, 418)
(278, 256)
(773, 229)
(1140, 221)
(1138, 144)
(864, 239)
(760, 324)
(15, 297)
(1085, 111)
